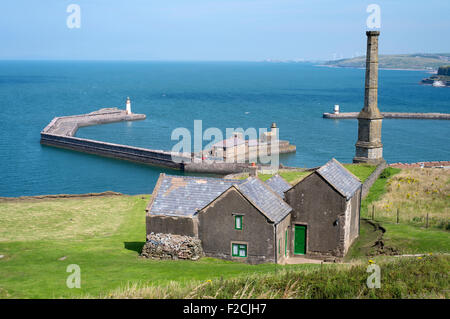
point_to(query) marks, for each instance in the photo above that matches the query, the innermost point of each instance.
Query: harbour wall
(68, 125)
(219, 168)
(125, 152)
(391, 115)
(61, 130)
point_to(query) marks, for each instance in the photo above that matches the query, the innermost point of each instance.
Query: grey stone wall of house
(350, 223)
(321, 209)
(372, 178)
(217, 231)
(185, 226)
(355, 215)
(280, 239)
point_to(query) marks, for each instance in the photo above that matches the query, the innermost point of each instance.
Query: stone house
(254, 221)
(326, 209)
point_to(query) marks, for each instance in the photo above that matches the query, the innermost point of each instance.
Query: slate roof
(184, 195)
(265, 199)
(340, 178)
(278, 184)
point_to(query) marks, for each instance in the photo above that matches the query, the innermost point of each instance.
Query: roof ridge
(340, 164)
(236, 187)
(155, 191)
(329, 179)
(271, 191)
(275, 193)
(253, 203)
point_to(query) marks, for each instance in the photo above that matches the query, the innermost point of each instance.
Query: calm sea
(174, 94)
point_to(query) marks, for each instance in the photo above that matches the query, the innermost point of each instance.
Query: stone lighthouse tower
(368, 147)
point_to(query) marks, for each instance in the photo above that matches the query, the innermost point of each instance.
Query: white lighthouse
(128, 105)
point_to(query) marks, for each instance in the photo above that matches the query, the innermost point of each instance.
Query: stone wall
(372, 178)
(168, 246)
(136, 154)
(392, 115)
(216, 168)
(61, 130)
(283, 228)
(68, 125)
(177, 225)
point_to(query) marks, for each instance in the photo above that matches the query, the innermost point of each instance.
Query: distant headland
(420, 61)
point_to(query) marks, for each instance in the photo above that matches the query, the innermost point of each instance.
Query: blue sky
(246, 30)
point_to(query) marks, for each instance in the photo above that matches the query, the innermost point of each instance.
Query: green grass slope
(423, 277)
(104, 236)
(402, 238)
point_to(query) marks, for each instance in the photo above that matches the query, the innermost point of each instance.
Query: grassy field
(410, 239)
(415, 193)
(103, 235)
(362, 171)
(422, 277)
(292, 177)
(377, 190)
(409, 236)
(397, 239)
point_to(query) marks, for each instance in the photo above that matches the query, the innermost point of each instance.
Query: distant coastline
(363, 68)
(404, 62)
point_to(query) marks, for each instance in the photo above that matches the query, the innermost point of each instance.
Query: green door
(300, 239)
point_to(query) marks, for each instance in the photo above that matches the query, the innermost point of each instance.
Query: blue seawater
(174, 94)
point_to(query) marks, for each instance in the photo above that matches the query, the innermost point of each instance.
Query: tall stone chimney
(368, 147)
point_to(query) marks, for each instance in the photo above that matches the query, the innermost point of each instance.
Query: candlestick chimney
(369, 148)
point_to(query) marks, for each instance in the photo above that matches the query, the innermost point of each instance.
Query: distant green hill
(398, 61)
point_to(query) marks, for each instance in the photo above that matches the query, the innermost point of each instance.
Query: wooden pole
(373, 212)
(398, 212)
(427, 221)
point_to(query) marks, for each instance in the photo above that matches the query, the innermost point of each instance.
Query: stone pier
(391, 115)
(60, 132)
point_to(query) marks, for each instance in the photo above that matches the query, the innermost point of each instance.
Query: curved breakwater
(61, 130)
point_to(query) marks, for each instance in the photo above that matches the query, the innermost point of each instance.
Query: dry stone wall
(168, 246)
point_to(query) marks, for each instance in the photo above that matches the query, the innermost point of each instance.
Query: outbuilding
(326, 211)
(254, 221)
